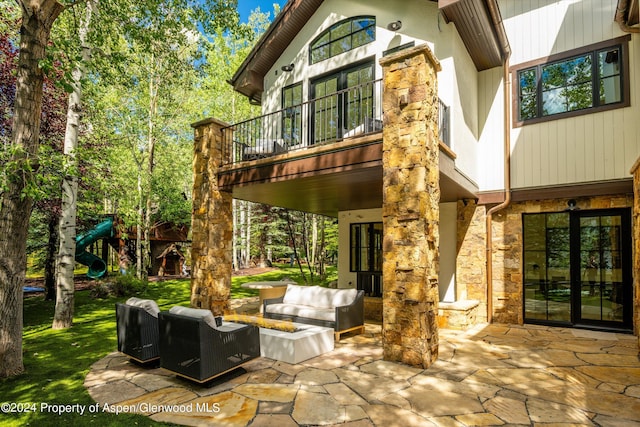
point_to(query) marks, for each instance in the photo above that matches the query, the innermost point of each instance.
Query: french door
(577, 268)
(342, 102)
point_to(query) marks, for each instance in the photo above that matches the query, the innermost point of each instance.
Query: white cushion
(342, 297)
(296, 294)
(317, 296)
(148, 305)
(305, 311)
(196, 313)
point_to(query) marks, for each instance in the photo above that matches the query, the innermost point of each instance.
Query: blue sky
(246, 6)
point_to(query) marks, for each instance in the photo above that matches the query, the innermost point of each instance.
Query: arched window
(342, 37)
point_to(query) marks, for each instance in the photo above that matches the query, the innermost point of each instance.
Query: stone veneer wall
(635, 171)
(212, 226)
(471, 256)
(507, 249)
(410, 208)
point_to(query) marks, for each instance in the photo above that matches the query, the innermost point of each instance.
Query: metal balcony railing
(348, 113)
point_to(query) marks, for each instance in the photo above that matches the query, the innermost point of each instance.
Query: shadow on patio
(490, 375)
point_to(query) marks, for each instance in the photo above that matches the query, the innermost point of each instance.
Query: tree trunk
(247, 242)
(139, 221)
(15, 207)
(242, 230)
(66, 260)
(50, 261)
(234, 243)
(151, 143)
(314, 240)
(321, 250)
(294, 246)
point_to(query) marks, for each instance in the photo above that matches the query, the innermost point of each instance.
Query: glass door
(603, 280)
(577, 268)
(547, 268)
(342, 104)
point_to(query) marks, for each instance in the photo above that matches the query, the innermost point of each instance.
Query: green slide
(97, 267)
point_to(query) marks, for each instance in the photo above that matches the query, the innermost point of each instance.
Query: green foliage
(122, 285)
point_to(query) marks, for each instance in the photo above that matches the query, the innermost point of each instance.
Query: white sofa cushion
(308, 312)
(196, 313)
(318, 297)
(340, 297)
(148, 305)
(296, 294)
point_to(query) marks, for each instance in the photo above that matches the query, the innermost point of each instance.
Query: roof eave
(248, 79)
(628, 15)
(480, 27)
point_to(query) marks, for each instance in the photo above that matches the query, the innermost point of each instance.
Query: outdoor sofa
(340, 309)
(193, 346)
(137, 329)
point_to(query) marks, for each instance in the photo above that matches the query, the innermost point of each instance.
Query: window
(342, 37)
(343, 101)
(366, 246)
(292, 114)
(578, 82)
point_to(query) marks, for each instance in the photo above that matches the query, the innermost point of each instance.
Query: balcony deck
(291, 164)
(324, 121)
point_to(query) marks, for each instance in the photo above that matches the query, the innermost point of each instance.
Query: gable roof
(478, 22)
(248, 79)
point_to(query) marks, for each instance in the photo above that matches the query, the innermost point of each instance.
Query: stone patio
(488, 375)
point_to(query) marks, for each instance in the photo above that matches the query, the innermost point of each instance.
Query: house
(481, 157)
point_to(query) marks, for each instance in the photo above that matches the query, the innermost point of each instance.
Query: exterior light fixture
(394, 26)
(287, 68)
(572, 205)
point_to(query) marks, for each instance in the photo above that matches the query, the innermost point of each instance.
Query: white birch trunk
(314, 240)
(234, 242)
(139, 221)
(65, 263)
(151, 144)
(247, 242)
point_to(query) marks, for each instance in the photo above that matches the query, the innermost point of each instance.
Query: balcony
(350, 113)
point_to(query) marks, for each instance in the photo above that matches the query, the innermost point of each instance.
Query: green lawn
(56, 362)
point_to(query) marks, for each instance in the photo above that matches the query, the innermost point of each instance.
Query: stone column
(211, 225)
(635, 171)
(410, 213)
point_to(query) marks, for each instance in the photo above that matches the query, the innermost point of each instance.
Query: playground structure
(162, 235)
(97, 266)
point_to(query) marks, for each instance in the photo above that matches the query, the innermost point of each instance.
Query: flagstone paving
(489, 376)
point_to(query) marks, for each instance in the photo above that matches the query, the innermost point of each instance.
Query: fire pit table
(288, 341)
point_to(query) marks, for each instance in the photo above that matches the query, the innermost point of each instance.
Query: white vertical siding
(490, 153)
(593, 147)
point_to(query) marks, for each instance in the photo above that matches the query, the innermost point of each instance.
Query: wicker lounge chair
(137, 328)
(194, 347)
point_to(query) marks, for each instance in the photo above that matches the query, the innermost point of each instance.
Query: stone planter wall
(458, 315)
(373, 309)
